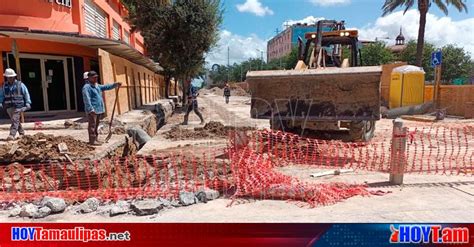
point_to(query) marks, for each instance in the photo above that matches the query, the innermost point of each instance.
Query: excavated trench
(34, 164)
(43, 148)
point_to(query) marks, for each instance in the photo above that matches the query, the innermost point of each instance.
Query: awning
(116, 47)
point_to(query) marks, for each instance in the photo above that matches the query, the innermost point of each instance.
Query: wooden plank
(420, 118)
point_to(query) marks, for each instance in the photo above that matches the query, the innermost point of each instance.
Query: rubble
(14, 212)
(121, 207)
(17, 177)
(210, 130)
(43, 212)
(146, 207)
(41, 147)
(166, 203)
(238, 91)
(209, 194)
(187, 198)
(29, 210)
(57, 205)
(69, 124)
(89, 206)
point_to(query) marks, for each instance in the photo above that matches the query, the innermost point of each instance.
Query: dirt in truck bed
(42, 147)
(210, 130)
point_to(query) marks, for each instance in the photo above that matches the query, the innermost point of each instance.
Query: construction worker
(227, 93)
(15, 97)
(192, 104)
(94, 104)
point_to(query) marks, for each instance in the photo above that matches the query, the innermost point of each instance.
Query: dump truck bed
(316, 94)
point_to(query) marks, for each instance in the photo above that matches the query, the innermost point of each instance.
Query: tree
(456, 63)
(423, 7)
(178, 33)
(376, 54)
(410, 53)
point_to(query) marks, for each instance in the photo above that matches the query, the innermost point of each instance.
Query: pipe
(408, 110)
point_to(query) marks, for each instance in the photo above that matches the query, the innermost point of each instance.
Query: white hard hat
(9, 73)
(86, 75)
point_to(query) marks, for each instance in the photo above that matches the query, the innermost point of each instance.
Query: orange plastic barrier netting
(255, 177)
(244, 175)
(430, 150)
(246, 169)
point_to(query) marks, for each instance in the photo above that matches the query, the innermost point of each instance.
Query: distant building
(400, 45)
(281, 45)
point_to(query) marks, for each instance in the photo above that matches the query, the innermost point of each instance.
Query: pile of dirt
(217, 91)
(210, 130)
(238, 91)
(41, 147)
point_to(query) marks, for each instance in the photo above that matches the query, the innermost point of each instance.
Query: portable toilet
(407, 86)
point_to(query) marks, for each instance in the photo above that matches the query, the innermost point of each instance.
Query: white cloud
(241, 48)
(308, 20)
(330, 2)
(254, 7)
(439, 30)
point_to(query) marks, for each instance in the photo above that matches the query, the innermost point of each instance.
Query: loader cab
(335, 48)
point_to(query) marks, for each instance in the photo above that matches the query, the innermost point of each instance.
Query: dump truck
(328, 89)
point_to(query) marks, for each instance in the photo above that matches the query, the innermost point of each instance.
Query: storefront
(56, 41)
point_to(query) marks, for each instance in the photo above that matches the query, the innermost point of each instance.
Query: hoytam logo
(77, 234)
(434, 234)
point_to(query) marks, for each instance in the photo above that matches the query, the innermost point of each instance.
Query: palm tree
(423, 6)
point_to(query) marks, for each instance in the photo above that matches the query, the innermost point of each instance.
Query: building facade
(50, 43)
(281, 45)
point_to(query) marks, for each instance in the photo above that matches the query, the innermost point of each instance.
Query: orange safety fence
(247, 168)
(428, 150)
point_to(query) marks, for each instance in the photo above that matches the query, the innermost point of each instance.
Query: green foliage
(376, 54)
(391, 5)
(423, 7)
(456, 63)
(409, 56)
(178, 33)
(238, 72)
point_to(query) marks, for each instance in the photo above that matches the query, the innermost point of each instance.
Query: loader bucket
(316, 94)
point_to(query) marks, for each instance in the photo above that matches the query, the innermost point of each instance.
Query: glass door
(56, 84)
(31, 76)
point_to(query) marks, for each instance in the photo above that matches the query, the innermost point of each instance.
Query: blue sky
(248, 24)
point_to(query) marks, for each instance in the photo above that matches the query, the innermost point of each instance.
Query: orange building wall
(50, 48)
(46, 16)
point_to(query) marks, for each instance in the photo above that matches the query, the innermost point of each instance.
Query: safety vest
(13, 98)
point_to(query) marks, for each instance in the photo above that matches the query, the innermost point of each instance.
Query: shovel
(107, 139)
(63, 149)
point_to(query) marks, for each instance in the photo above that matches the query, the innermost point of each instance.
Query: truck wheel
(362, 130)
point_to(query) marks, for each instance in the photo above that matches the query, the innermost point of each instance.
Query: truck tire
(362, 130)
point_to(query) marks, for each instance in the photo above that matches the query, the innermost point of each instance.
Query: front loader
(328, 90)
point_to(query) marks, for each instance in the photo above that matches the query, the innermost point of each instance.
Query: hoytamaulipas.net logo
(429, 234)
(79, 234)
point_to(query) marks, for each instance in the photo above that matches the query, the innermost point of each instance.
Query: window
(95, 19)
(126, 37)
(116, 31)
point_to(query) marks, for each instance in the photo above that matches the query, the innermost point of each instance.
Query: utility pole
(228, 56)
(261, 60)
(241, 75)
(228, 62)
